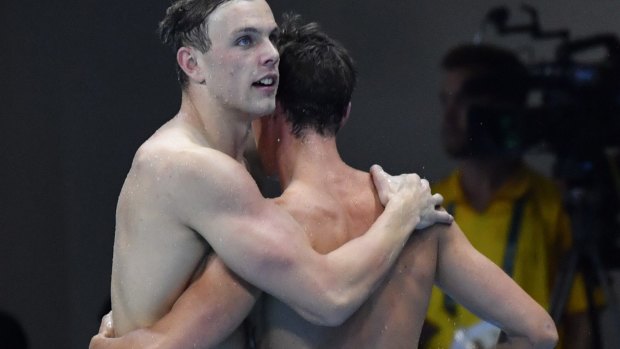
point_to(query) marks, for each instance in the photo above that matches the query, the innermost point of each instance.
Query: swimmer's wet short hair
(317, 77)
(185, 24)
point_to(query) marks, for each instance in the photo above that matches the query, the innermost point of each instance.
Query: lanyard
(511, 245)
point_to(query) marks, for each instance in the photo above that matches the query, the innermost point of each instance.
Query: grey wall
(85, 82)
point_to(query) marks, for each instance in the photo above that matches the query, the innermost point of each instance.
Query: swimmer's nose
(271, 56)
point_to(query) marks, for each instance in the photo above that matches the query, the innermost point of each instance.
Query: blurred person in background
(509, 212)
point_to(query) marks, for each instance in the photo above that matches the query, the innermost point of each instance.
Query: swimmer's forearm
(172, 336)
(209, 310)
(141, 338)
(204, 316)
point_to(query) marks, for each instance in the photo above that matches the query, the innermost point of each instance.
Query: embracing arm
(203, 317)
(483, 288)
(265, 246)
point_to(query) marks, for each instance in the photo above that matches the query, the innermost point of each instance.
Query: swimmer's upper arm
(482, 287)
(209, 310)
(154, 256)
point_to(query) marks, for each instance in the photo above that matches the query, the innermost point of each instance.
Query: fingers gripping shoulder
(402, 187)
(412, 194)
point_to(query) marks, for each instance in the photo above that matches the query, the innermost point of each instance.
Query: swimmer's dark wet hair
(317, 77)
(185, 24)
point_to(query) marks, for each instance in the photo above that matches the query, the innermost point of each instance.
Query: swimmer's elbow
(336, 309)
(546, 336)
(331, 309)
(326, 302)
(336, 316)
(320, 319)
(330, 318)
(332, 321)
(543, 335)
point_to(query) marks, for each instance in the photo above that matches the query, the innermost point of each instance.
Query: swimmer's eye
(244, 41)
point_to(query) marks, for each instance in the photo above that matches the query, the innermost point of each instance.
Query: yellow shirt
(542, 239)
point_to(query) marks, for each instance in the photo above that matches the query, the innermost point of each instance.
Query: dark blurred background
(83, 83)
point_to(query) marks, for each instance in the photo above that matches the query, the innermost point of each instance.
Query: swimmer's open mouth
(267, 81)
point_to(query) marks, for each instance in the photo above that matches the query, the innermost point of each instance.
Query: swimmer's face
(240, 69)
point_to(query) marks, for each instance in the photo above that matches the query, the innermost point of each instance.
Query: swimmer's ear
(345, 118)
(186, 59)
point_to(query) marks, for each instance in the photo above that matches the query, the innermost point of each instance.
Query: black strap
(513, 236)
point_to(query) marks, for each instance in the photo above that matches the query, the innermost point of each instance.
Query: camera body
(575, 112)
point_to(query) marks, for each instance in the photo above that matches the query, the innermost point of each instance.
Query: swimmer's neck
(313, 159)
(216, 127)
